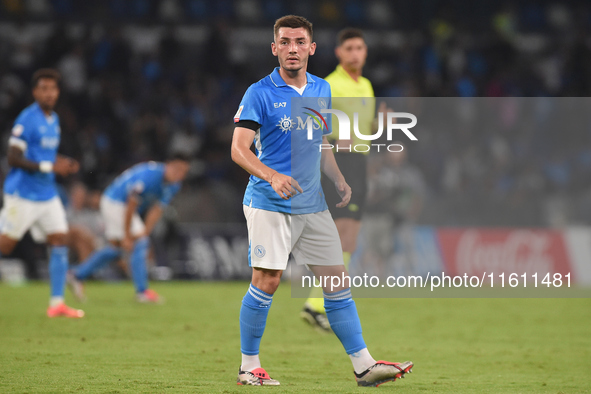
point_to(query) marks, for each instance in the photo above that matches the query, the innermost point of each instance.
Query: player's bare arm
(17, 159)
(154, 214)
(63, 165)
(329, 167)
(285, 186)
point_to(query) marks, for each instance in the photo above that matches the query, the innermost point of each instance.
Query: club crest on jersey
(285, 124)
(259, 251)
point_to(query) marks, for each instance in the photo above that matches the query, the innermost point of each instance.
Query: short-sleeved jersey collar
(38, 109)
(278, 81)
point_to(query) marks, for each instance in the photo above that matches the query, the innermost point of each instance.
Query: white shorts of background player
(113, 213)
(43, 218)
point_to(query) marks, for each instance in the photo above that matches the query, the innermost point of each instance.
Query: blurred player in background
(347, 81)
(286, 217)
(143, 189)
(31, 200)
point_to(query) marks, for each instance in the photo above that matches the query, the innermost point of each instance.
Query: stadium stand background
(143, 78)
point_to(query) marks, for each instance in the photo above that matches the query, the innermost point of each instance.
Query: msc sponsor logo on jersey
(50, 142)
(285, 124)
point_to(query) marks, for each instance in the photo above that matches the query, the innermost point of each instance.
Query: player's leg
(253, 318)
(112, 215)
(314, 312)
(269, 236)
(344, 321)
(52, 221)
(96, 261)
(16, 218)
(138, 261)
(139, 271)
(7, 245)
(320, 249)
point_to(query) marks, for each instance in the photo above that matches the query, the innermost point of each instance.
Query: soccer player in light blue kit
(30, 196)
(285, 208)
(143, 189)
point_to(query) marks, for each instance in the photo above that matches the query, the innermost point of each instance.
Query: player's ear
(312, 48)
(274, 48)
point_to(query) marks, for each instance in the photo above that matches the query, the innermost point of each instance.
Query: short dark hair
(348, 33)
(45, 73)
(294, 22)
(179, 156)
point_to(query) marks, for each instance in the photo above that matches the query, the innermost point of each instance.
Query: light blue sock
(253, 319)
(344, 321)
(58, 266)
(96, 261)
(139, 272)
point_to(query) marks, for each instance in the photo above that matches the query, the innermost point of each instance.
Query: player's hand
(74, 166)
(344, 191)
(127, 243)
(285, 186)
(65, 166)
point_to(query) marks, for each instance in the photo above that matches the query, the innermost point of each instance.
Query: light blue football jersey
(281, 142)
(39, 138)
(147, 181)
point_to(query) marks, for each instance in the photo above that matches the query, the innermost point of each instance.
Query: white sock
(55, 301)
(362, 360)
(250, 362)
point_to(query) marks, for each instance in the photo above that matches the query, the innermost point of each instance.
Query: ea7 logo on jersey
(280, 105)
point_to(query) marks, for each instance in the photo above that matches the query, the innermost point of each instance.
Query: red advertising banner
(475, 251)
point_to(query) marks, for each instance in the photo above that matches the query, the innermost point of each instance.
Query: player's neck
(355, 74)
(46, 111)
(294, 78)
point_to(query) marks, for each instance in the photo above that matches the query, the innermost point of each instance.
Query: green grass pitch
(191, 343)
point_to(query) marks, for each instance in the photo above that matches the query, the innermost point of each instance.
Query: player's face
(46, 93)
(293, 47)
(352, 53)
(176, 171)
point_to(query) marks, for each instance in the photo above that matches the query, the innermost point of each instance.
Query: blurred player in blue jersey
(143, 189)
(284, 205)
(30, 196)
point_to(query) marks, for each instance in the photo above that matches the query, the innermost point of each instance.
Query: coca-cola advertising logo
(475, 251)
